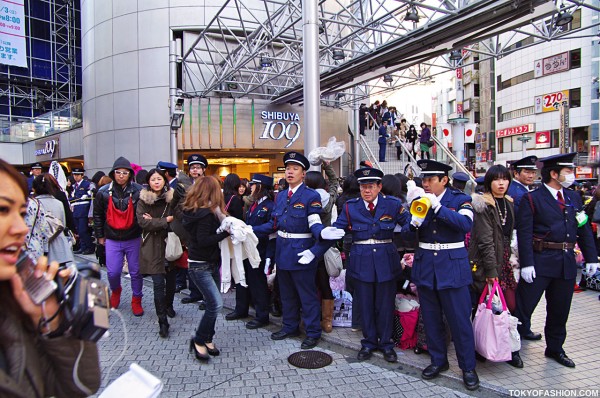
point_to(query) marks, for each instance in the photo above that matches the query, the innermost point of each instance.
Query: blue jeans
(205, 276)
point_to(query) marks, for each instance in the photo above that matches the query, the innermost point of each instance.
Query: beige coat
(154, 231)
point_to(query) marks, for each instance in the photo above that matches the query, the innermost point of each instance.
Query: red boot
(115, 298)
(136, 306)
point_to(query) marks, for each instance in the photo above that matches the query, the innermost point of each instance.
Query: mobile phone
(39, 289)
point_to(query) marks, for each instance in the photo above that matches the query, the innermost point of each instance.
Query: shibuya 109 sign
(279, 125)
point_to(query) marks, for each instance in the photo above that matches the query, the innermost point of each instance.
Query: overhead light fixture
(322, 28)
(338, 55)
(412, 15)
(564, 17)
(455, 55)
(388, 79)
(265, 62)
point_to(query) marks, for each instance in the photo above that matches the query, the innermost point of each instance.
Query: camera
(86, 304)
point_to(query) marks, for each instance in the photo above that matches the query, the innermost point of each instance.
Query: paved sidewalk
(251, 364)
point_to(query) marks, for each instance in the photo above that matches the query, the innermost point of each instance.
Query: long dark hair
(231, 184)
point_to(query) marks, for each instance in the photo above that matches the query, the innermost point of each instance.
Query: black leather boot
(163, 325)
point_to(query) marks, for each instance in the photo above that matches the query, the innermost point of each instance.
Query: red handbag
(119, 219)
(182, 262)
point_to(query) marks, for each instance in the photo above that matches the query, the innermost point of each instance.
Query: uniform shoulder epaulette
(352, 200)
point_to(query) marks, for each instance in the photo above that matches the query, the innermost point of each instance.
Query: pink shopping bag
(491, 331)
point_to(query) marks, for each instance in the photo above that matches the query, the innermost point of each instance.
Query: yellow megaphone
(420, 207)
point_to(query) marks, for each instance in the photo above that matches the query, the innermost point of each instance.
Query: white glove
(332, 233)
(306, 257)
(267, 264)
(591, 268)
(416, 221)
(413, 191)
(528, 273)
(435, 202)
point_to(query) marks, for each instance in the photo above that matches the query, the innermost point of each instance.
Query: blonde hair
(205, 194)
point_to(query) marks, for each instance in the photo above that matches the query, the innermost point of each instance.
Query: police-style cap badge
(297, 158)
(431, 168)
(197, 159)
(262, 180)
(166, 166)
(36, 165)
(528, 162)
(368, 175)
(561, 160)
(77, 170)
(460, 176)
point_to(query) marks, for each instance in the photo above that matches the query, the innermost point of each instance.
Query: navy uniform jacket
(543, 218)
(293, 217)
(374, 262)
(81, 200)
(516, 191)
(443, 269)
(261, 215)
(173, 183)
(382, 135)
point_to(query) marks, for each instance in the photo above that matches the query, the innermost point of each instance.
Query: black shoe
(471, 379)
(532, 336)
(78, 251)
(163, 328)
(281, 335)
(255, 324)
(202, 305)
(189, 300)
(419, 350)
(433, 371)
(232, 316)
(179, 288)
(88, 252)
(199, 356)
(390, 355)
(212, 351)
(171, 312)
(561, 358)
(365, 353)
(480, 357)
(309, 343)
(516, 360)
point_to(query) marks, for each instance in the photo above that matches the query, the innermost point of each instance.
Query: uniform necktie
(371, 207)
(253, 207)
(290, 193)
(561, 200)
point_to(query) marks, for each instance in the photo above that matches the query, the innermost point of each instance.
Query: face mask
(569, 180)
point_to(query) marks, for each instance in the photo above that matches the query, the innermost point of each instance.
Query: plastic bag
(334, 150)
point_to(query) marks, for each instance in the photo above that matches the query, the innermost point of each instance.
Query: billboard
(13, 47)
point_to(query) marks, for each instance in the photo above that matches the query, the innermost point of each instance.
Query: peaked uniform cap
(297, 158)
(431, 168)
(77, 170)
(560, 160)
(368, 175)
(166, 166)
(528, 162)
(197, 159)
(261, 179)
(460, 176)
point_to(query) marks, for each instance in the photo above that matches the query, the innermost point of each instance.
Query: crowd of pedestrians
(523, 239)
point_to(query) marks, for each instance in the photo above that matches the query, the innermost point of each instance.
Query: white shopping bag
(135, 383)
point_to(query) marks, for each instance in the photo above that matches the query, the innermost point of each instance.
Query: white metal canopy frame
(372, 46)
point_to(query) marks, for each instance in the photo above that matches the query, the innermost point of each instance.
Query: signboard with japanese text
(542, 139)
(13, 47)
(550, 102)
(584, 172)
(555, 64)
(47, 150)
(459, 73)
(526, 128)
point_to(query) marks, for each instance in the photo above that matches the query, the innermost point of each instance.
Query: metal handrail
(370, 156)
(450, 155)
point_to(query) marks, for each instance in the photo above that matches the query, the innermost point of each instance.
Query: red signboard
(524, 129)
(542, 139)
(459, 73)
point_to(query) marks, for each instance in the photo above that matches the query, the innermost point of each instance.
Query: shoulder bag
(119, 219)
(333, 262)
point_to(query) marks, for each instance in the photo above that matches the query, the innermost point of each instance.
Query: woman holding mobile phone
(34, 361)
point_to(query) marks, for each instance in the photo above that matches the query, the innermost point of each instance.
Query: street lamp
(564, 17)
(412, 15)
(388, 79)
(524, 140)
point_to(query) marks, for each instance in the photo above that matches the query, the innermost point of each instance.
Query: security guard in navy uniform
(81, 200)
(374, 263)
(459, 180)
(549, 223)
(442, 272)
(170, 170)
(36, 170)
(524, 172)
(298, 225)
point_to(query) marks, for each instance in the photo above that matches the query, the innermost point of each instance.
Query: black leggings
(164, 290)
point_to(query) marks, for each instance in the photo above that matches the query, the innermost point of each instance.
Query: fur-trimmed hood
(149, 197)
(480, 202)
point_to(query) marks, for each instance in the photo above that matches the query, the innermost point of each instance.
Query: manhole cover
(310, 359)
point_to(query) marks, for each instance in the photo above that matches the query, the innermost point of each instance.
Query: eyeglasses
(195, 167)
(122, 173)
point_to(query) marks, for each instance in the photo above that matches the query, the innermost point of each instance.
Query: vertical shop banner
(470, 130)
(444, 133)
(13, 47)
